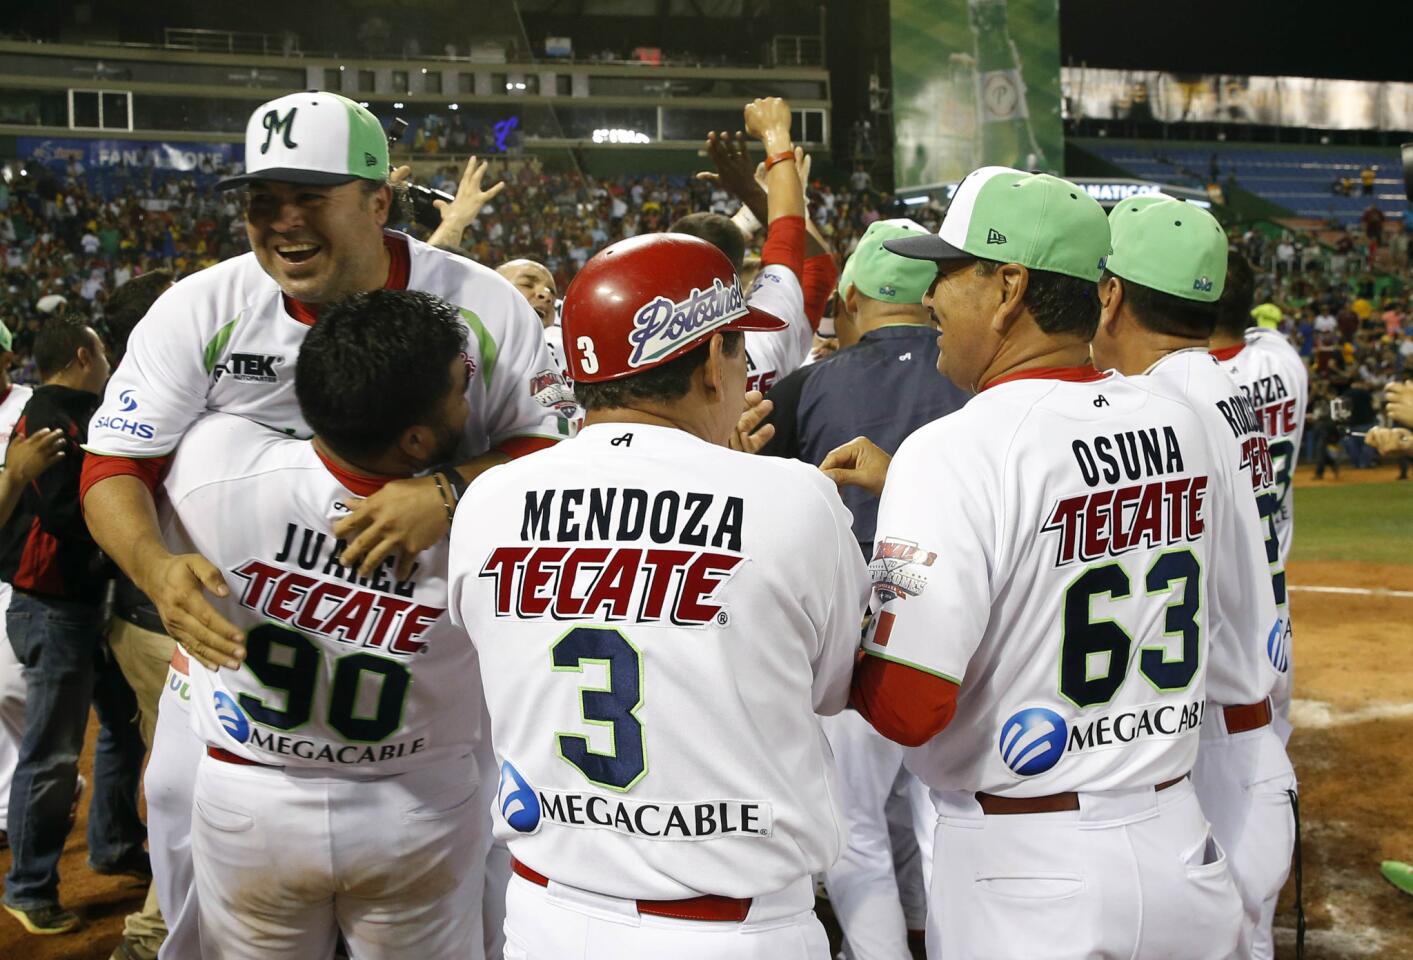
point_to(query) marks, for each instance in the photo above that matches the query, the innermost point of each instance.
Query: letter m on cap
(284, 126)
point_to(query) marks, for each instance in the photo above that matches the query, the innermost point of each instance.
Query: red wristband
(780, 157)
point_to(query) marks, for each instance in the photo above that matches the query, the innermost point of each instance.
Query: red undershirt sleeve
(98, 467)
(818, 281)
(785, 245)
(905, 705)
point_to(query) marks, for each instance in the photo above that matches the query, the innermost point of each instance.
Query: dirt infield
(1353, 723)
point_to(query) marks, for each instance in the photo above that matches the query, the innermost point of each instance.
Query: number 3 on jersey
(613, 706)
(1083, 638)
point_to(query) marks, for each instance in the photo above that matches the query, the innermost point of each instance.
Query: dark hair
(58, 342)
(1058, 302)
(130, 303)
(1234, 309)
(1166, 314)
(375, 364)
(671, 381)
(716, 230)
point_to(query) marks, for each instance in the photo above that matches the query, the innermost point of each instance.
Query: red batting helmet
(643, 301)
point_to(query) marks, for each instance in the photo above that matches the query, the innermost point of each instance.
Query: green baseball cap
(1034, 219)
(317, 138)
(1169, 246)
(881, 275)
(7, 339)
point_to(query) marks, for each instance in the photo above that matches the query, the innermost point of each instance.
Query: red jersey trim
(1226, 353)
(517, 447)
(97, 466)
(399, 269)
(906, 705)
(360, 484)
(1085, 373)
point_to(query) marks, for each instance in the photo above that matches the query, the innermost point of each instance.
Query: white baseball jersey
(1277, 383)
(226, 339)
(663, 619)
(355, 676)
(1047, 547)
(1246, 592)
(770, 357)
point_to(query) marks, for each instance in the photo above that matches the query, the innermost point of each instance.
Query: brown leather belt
(225, 756)
(993, 805)
(720, 909)
(1251, 716)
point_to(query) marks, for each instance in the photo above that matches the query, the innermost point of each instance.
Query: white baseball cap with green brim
(1170, 246)
(1037, 220)
(317, 138)
(885, 276)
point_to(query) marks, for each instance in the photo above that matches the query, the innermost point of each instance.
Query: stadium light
(615, 135)
(398, 106)
(453, 106)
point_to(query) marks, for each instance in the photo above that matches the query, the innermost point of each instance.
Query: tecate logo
(129, 404)
(662, 326)
(517, 801)
(1033, 741)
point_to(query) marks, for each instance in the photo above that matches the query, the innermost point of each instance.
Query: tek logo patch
(995, 236)
(250, 368)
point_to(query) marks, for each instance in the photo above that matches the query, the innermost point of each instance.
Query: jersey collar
(360, 484)
(399, 269)
(1084, 373)
(1226, 353)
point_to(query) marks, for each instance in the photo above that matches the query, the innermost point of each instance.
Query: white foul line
(1358, 591)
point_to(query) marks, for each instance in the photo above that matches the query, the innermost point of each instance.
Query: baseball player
(226, 340)
(777, 290)
(1039, 636)
(664, 617)
(335, 791)
(1159, 299)
(13, 397)
(1272, 375)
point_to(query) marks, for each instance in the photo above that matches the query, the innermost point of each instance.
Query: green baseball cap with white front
(317, 138)
(881, 275)
(1006, 215)
(1170, 246)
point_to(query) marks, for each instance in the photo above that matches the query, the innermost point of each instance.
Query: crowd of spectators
(62, 242)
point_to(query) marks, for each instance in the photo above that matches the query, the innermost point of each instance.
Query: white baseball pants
(862, 883)
(1243, 781)
(1131, 874)
(287, 858)
(168, 783)
(564, 923)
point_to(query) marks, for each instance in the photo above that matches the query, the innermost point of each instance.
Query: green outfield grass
(1370, 522)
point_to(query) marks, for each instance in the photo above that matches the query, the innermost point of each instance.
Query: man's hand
(1400, 402)
(175, 584)
(768, 120)
(470, 198)
(27, 458)
(1389, 440)
(824, 347)
(858, 463)
(802, 163)
(749, 436)
(406, 516)
(733, 171)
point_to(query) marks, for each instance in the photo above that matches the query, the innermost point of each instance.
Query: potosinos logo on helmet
(661, 326)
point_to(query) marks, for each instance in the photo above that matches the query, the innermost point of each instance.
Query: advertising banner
(975, 82)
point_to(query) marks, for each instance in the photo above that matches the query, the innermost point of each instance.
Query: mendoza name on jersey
(697, 544)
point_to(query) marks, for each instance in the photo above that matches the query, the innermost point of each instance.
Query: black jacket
(45, 547)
